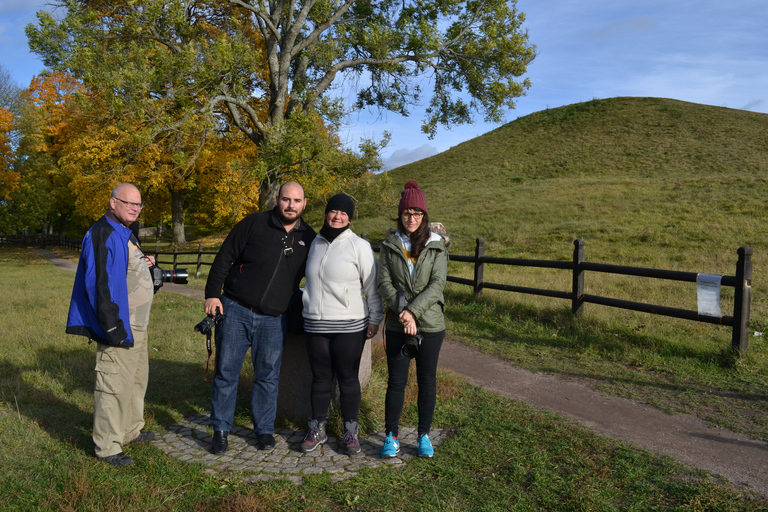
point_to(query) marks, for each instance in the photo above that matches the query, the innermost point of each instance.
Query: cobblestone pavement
(190, 441)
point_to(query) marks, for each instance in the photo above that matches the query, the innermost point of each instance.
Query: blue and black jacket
(99, 307)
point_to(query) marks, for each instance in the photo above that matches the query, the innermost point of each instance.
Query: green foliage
(184, 69)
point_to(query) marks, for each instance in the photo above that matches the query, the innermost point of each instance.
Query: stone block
(296, 379)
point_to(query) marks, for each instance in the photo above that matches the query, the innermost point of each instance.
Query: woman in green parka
(413, 266)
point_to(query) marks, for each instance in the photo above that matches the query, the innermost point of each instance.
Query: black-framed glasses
(414, 215)
(130, 204)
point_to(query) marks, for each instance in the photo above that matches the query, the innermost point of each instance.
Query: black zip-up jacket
(259, 264)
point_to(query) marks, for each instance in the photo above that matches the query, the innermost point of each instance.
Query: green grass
(502, 455)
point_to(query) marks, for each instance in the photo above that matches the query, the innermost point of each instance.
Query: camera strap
(208, 346)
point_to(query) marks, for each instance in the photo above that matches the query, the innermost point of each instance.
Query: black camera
(412, 342)
(160, 276)
(411, 345)
(207, 324)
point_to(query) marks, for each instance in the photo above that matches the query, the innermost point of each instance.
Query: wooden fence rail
(176, 253)
(741, 281)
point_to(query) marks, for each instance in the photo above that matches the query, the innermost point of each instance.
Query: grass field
(502, 455)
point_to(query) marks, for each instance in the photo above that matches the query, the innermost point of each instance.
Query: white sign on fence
(708, 293)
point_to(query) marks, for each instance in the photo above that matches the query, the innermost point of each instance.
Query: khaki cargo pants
(121, 383)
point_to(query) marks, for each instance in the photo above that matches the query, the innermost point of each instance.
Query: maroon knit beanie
(412, 197)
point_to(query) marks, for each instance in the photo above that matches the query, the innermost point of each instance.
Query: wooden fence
(176, 253)
(741, 281)
(41, 241)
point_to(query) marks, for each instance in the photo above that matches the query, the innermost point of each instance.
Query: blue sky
(705, 51)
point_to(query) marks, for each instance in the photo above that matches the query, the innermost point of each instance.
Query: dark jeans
(426, 377)
(242, 329)
(339, 354)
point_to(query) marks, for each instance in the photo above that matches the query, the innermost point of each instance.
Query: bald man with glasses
(111, 301)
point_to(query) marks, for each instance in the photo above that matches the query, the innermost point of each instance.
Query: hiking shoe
(425, 446)
(315, 437)
(143, 437)
(391, 446)
(351, 442)
(119, 460)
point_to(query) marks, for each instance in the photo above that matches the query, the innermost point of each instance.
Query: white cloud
(638, 24)
(406, 156)
(754, 105)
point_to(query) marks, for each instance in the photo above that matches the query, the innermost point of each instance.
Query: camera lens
(178, 276)
(411, 346)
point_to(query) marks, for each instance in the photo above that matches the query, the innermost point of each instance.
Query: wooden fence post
(175, 256)
(577, 300)
(199, 258)
(742, 300)
(479, 253)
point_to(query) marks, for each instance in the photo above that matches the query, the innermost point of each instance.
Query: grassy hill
(660, 172)
(645, 182)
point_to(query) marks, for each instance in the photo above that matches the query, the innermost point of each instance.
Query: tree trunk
(177, 216)
(268, 194)
(63, 223)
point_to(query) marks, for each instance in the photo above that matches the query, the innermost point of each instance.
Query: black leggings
(339, 354)
(426, 377)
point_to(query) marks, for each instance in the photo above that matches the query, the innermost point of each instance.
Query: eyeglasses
(130, 204)
(415, 216)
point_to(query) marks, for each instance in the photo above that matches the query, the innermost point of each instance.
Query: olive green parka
(424, 292)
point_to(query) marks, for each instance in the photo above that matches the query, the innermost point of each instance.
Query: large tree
(10, 103)
(268, 68)
(47, 119)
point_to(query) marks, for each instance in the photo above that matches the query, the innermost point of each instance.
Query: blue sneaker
(391, 446)
(425, 446)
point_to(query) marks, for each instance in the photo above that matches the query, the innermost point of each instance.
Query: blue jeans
(242, 329)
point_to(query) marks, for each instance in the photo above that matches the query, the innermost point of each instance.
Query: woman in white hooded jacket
(341, 309)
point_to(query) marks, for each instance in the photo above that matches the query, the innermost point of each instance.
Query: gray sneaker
(315, 437)
(119, 460)
(351, 442)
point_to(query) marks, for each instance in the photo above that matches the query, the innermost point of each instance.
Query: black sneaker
(119, 460)
(143, 437)
(266, 441)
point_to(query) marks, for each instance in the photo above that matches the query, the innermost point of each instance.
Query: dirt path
(736, 457)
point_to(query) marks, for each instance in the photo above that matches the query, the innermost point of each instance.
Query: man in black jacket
(259, 266)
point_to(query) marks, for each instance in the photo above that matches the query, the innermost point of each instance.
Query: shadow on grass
(55, 391)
